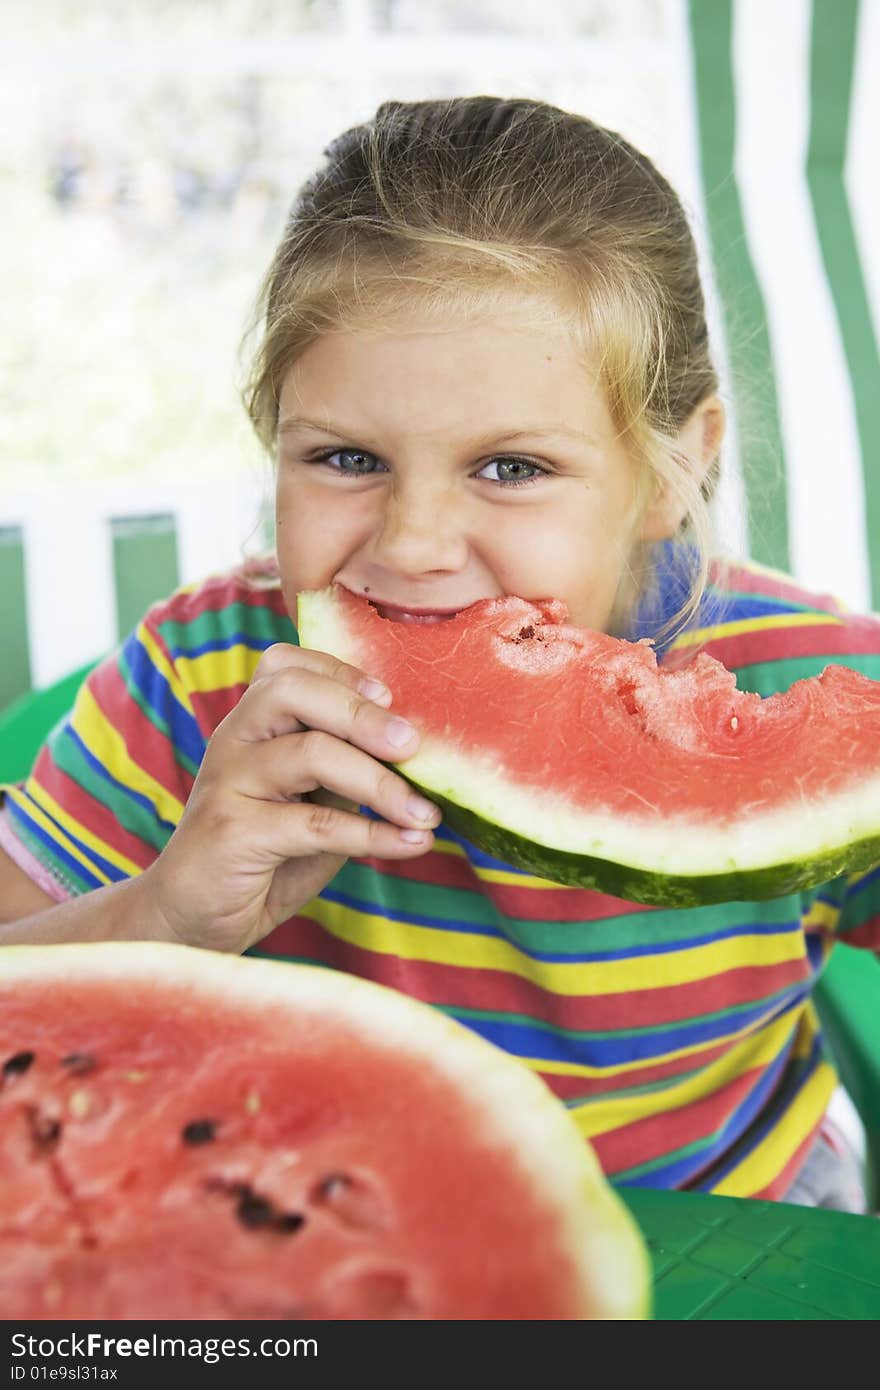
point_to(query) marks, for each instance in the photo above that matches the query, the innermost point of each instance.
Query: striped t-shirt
(683, 1042)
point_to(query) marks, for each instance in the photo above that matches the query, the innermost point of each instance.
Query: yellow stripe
(766, 624)
(767, 1161)
(219, 670)
(757, 1051)
(821, 917)
(488, 875)
(108, 748)
(39, 817)
(473, 951)
(46, 805)
(554, 1068)
(166, 668)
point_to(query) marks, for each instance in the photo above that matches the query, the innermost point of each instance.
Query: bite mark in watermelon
(185, 1134)
(573, 755)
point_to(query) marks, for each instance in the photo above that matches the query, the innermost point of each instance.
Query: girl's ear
(699, 441)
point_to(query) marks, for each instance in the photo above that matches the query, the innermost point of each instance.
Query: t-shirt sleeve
(109, 786)
(110, 783)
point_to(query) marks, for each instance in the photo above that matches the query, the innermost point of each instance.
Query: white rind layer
(510, 1105)
(655, 842)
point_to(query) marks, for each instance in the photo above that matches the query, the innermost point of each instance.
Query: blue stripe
(524, 1040)
(31, 830)
(223, 644)
(655, 948)
(126, 793)
(783, 1100)
(158, 696)
(683, 1170)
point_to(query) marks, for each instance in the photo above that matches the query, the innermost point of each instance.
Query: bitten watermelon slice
(190, 1135)
(571, 754)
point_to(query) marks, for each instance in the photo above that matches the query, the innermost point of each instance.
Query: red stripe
(495, 991)
(867, 935)
(643, 1140)
(855, 637)
(147, 746)
(558, 904)
(215, 595)
(572, 1087)
(776, 1189)
(90, 813)
(743, 580)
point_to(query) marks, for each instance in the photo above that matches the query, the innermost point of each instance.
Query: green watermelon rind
(630, 882)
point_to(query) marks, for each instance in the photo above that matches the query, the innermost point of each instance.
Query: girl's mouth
(414, 615)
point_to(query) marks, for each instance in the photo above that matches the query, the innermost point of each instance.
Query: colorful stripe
(683, 1043)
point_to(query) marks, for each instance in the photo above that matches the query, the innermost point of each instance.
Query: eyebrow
(295, 422)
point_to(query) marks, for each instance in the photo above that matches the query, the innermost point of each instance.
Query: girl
(484, 369)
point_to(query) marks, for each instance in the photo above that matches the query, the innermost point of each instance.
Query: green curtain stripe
(145, 566)
(835, 26)
(15, 670)
(745, 316)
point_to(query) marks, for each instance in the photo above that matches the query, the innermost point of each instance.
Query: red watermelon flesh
(190, 1135)
(544, 734)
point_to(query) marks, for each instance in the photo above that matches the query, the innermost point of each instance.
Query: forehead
(523, 358)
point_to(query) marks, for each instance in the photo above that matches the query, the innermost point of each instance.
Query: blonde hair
(443, 207)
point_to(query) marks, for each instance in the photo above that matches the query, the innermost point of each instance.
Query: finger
(300, 764)
(282, 656)
(295, 698)
(302, 828)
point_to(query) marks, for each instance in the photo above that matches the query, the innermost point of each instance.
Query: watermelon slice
(191, 1135)
(572, 755)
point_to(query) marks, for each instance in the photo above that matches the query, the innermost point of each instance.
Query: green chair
(848, 995)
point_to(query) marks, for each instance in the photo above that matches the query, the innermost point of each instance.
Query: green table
(724, 1258)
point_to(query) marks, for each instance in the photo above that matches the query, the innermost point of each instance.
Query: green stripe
(155, 718)
(768, 678)
(745, 317)
(138, 820)
(835, 24)
(145, 567)
(259, 624)
(75, 881)
(472, 908)
(15, 669)
(650, 1030)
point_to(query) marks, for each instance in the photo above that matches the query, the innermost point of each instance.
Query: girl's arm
(30, 917)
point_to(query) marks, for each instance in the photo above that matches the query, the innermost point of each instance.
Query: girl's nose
(421, 531)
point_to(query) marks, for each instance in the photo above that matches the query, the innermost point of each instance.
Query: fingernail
(414, 837)
(399, 732)
(374, 690)
(420, 809)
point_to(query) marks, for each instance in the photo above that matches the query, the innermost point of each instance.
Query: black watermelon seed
(17, 1065)
(254, 1211)
(199, 1132)
(288, 1223)
(46, 1131)
(79, 1063)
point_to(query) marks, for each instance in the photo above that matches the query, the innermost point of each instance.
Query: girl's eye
(354, 462)
(512, 471)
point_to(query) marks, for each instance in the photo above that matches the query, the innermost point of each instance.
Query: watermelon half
(191, 1135)
(571, 754)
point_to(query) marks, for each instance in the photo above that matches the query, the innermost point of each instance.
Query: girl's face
(432, 469)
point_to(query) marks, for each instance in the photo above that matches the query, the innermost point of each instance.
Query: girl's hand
(273, 812)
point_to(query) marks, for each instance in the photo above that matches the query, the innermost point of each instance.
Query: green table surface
(726, 1258)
